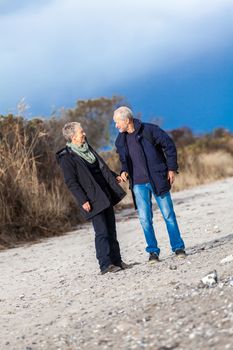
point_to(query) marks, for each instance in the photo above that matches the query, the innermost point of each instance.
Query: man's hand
(171, 176)
(87, 207)
(124, 176)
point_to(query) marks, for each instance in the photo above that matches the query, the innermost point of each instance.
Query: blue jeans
(143, 195)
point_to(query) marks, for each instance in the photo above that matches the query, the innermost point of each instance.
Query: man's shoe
(153, 258)
(180, 253)
(111, 268)
(125, 266)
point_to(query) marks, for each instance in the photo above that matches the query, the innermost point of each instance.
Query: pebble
(210, 279)
(231, 282)
(77, 309)
(227, 259)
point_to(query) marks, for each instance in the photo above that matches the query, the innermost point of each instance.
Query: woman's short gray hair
(124, 112)
(69, 130)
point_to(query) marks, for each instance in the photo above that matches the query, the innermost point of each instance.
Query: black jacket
(82, 184)
(159, 154)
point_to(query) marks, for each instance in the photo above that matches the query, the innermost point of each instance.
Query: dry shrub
(195, 168)
(217, 165)
(34, 200)
(27, 206)
(229, 145)
(202, 168)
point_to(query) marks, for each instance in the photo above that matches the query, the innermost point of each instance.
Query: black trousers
(106, 244)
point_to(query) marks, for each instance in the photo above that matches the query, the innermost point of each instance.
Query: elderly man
(96, 190)
(149, 160)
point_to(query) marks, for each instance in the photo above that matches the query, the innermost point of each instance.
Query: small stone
(147, 318)
(211, 279)
(192, 336)
(216, 229)
(227, 259)
(231, 282)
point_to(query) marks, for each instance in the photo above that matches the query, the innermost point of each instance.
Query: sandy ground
(52, 297)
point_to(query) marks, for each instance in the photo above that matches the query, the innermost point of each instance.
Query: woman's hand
(119, 179)
(87, 207)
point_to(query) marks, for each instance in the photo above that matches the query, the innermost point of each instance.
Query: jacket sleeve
(121, 152)
(113, 173)
(164, 140)
(71, 180)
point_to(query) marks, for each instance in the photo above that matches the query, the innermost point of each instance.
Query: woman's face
(79, 137)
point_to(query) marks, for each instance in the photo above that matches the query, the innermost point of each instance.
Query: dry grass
(203, 168)
(195, 168)
(34, 201)
(27, 206)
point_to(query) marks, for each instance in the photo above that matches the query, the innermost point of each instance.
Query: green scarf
(83, 151)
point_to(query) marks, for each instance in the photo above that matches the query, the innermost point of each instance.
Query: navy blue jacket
(159, 155)
(82, 184)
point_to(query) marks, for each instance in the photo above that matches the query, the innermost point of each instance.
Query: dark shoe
(153, 258)
(111, 268)
(125, 266)
(180, 253)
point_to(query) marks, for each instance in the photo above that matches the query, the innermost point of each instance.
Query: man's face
(79, 137)
(121, 125)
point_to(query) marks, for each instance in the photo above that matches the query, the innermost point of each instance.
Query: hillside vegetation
(34, 201)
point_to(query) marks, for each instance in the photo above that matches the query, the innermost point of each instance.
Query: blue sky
(170, 59)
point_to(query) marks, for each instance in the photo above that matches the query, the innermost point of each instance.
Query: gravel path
(52, 296)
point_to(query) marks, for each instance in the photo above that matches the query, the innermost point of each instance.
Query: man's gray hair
(124, 112)
(69, 130)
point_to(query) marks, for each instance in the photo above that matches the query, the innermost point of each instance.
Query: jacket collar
(137, 125)
(68, 150)
(122, 135)
(61, 153)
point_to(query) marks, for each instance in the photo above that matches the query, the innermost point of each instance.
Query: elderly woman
(96, 190)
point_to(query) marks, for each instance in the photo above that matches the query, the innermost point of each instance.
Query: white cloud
(62, 44)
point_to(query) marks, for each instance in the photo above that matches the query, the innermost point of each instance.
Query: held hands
(123, 177)
(171, 176)
(87, 207)
(119, 179)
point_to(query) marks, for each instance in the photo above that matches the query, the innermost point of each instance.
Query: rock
(122, 327)
(227, 259)
(231, 282)
(211, 279)
(147, 318)
(216, 229)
